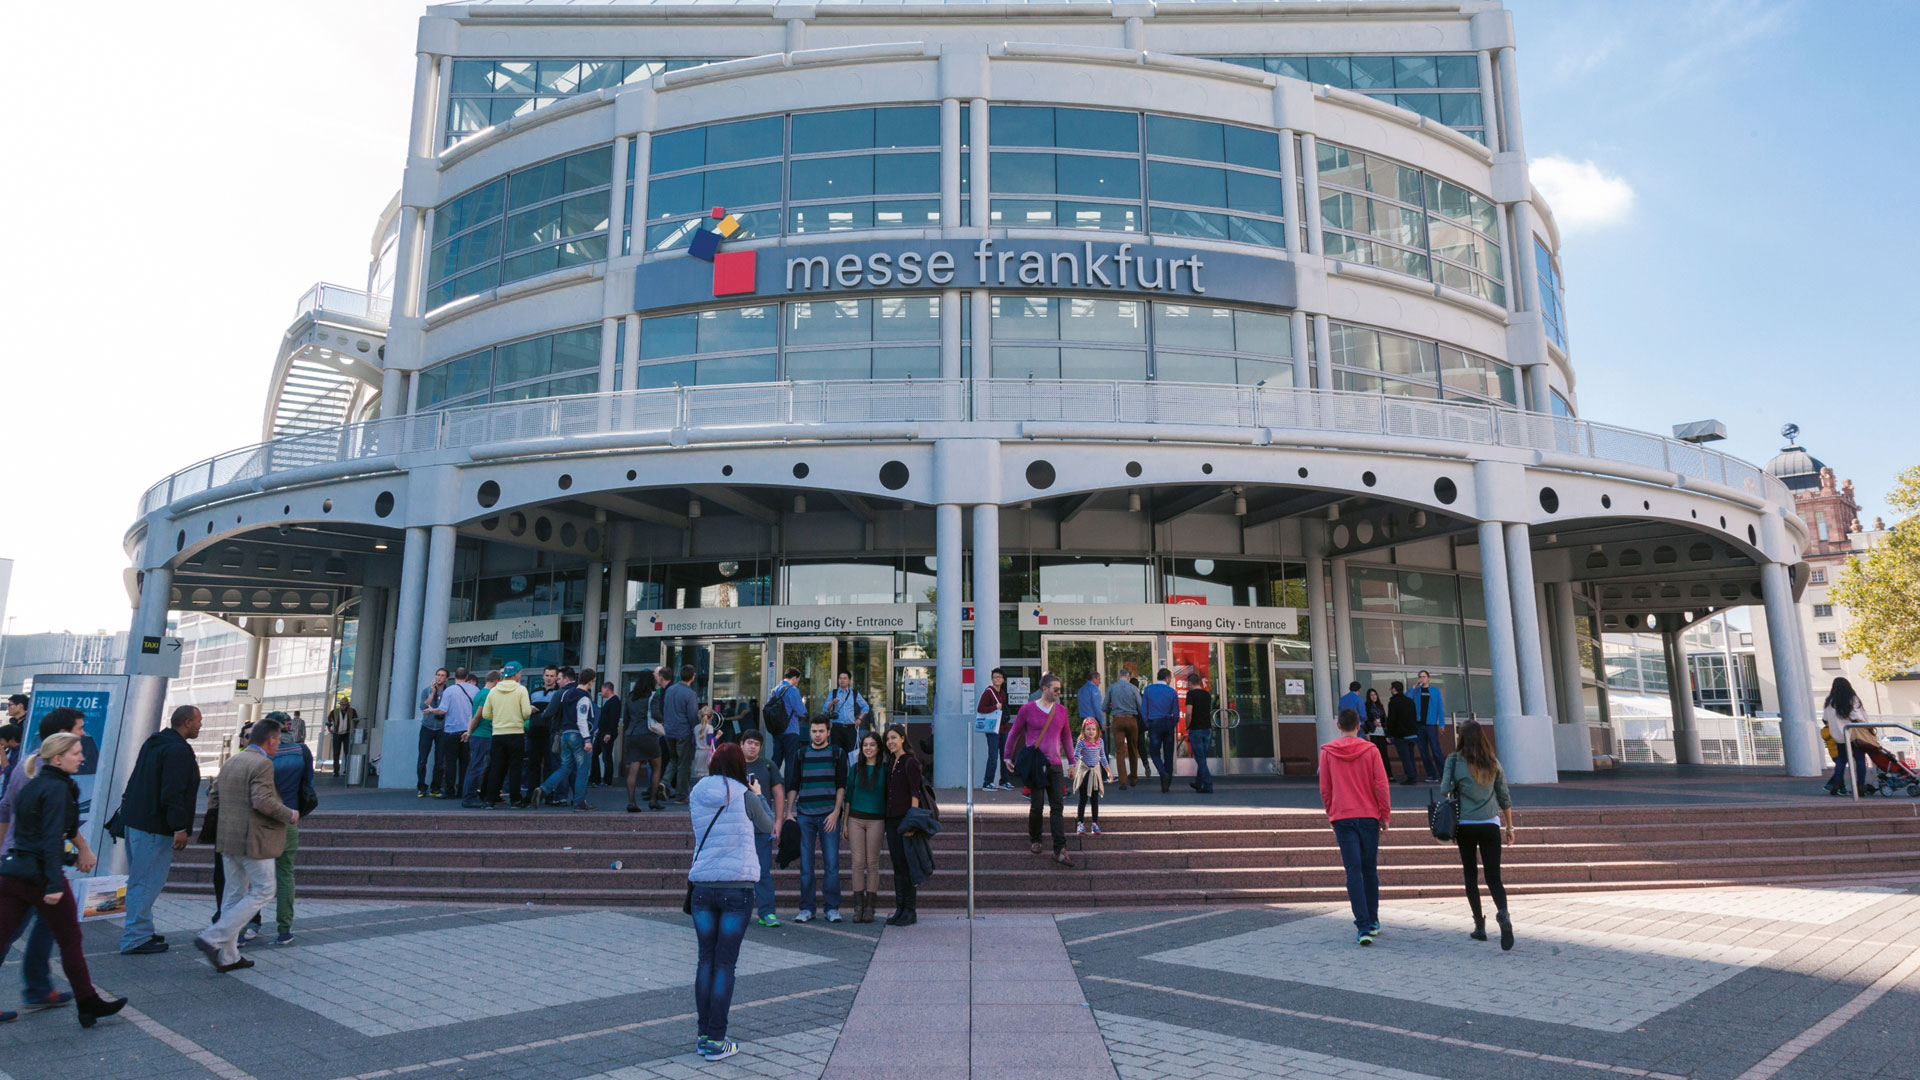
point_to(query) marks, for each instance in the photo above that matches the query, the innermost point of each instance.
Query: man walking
(608, 732)
(1352, 700)
(433, 720)
(572, 709)
(786, 718)
(1200, 733)
(1432, 712)
(249, 837)
(817, 776)
(340, 725)
(1123, 712)
(680, 715)
(479, 739)
(1160, 705)
(456, 714)
(752, 742)
(1353, 787)
(506, 709)
(1403, 726)
(848, 711)
(539, 741)
(1090, 702)
(1043, 725)
(156, 810)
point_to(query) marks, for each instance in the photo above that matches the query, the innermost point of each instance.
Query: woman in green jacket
(1473, 773)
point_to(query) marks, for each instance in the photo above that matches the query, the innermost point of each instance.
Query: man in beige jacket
(250, 832)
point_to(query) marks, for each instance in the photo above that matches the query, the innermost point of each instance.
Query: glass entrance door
(813, 658)
(1244, 690)
(737, 689)
(869, 660)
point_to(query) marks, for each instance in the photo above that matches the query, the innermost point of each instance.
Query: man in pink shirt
(1353, 785)
(1043, 725)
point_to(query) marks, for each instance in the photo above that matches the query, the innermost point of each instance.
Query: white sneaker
(805, 916)
(833, 915)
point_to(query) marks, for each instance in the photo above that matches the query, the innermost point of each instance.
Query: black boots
(1479, 928)
(910, 915)
(1506, 929)
(93, 1008)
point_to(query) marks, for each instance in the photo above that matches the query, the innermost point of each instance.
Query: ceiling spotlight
(380, 546)
(1239, 506)
(693, 508)
(1333, 512)
(1419, 519)
(799, 504)
(1133, 502)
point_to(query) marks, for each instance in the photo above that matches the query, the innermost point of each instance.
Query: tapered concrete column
(979, 179)
(1342, 628)
(1302, 338)
(1310, 174)
(950, 707)
(986, 593)
(364, 692)
(590, 621)
(1289, 190)
(437, 603)
(1526, 745)
(256, 680)
(1572, 743)
(620, 544)
(1797, 734)
(1326, 727)
(1323, 352)
(950, 163)
(1686, 727)
(1497, 599)
(150, 613)
(398, 751)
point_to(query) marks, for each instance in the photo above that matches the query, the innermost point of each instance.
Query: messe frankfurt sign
(798, 271)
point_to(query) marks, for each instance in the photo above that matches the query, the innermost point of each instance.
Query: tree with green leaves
(1881, 591)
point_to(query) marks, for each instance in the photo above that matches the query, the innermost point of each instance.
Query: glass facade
(1060, 337)
(1407, 621)
(1552, 301)
(546, 366)
(888, 337)
(489, 92)
(1377, 361)
(1389, 215)
(526, 223)
(1444, 88)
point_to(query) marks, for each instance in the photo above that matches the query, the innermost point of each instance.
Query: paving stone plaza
(1738, 982)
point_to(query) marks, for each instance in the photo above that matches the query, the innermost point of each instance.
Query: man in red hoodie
(1353, 785)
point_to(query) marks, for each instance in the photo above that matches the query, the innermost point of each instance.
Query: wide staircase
(1204, 857)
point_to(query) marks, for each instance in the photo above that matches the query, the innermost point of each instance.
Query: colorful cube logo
(654, 618)
(1040, 616)
(733, 271)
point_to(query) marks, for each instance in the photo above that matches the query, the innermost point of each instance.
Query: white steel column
(1686, 726)
(950, 164)
(630, 358)
(396, 740)
(637, 196)
(1510, 102)
(609, 362)
(1325, 724)
(617, 212)
(1323, 351)
(1497, 599)
(950, 333)
(1526, 744)
(620, 544)
(951, 711)
(256, 679)
(1302, 350)
(150, 614)
(437, 602)
(986, 593)
(399, 753)
(590, 621)
(1489, 106)
(364, 693)
(1289, 190)
(1342, 628)
(1573, 743)
(979, 178)
(1310, 172)
(1797, 733)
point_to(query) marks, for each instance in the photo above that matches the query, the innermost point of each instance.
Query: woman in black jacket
(1403, 727)
(45, 816)
(1374, 724)
(904, 781)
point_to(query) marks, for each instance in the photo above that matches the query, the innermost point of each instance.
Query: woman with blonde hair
(46, 815)
(1473, 775)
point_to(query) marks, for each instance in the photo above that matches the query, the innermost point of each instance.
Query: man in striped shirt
(817, 781)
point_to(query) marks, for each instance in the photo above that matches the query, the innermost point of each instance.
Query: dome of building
(1796, 468)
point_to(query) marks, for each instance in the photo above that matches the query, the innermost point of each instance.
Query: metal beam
(1288, 506)
(1165, 510)
(1075, 505)
(637, 509)
(736, 502)
(859, 506)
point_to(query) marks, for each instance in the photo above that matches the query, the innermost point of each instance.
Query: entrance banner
(503, 631)
(809, 619)
(1158, 618)
(704, 622)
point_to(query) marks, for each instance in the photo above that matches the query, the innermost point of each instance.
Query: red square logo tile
(733, 273)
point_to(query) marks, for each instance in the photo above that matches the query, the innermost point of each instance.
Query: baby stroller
(1893, 772)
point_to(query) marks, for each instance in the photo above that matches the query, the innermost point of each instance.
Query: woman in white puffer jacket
(727, 812)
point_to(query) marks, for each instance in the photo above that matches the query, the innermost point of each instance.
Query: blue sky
(1749, 278)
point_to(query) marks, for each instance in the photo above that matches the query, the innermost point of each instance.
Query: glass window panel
(588, 169)
(1191, 326)
(1405, 356)
(1372, 72)
(1025, 173)
(743, 140)
(911, 125)
(1271, 372)
(1074, 215)
(910, 213)
(906, 174)
(576, 349)
(460, 214)
(1025, 362)
(678, 150)
(522, 360)
(1025, 213)
(1415, 71)
(1479, 651)
(1398, 224)
(1096, 129)
(1254, 193)
(467, 114)
(735, 369)
(1187, 367)
(1460, 71)
(906, 318)
(1247, 230)
(822, 322)
(832, 178)
(1113, 178)
(529, 186)
(830, 364)
(513, 77)
(1401, 388)
(537, 226)
(1263, 332)
(583, 214)
(1117, 321)
(1196, 184)
(1102, 364)
(830, 217)
(1341, 167)
(1428, 594)
(1020, 125)
(463, 252)
(1427, 105)
(575, 384)
(1393, 180)
(1253, 148)
(1355, 346)
(843, 129)
(472, 77)
(748, 185)
(1171, 136)
(1341, 210)
(1165, 219)
(1026, 318)
(730, 329)
(675, 196)
(1460, 110)
(671, 235)
(433, 385)
(1332, 70)
(907, 363)
(661, 376)
(1293, 67)
(503, 109)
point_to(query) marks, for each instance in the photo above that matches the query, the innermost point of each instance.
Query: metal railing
(858, 406)
(328, 299)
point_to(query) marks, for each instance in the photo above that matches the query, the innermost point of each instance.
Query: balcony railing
(865, 410)
(326, 299)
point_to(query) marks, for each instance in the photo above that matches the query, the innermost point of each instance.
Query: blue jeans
(1405, 746)
(996, 745)
(1160, 739)
(719, 921)
(1360, 853)
(36, 962)
(811, 826)
(785, 746)
(1203, 777)
(1430, 755)
(1839, 781)
(570, 778)
(763, 889)
(149, 857)
(479, 747)
(429, 740)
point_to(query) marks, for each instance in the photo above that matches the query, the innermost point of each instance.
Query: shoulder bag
(1031, 765)
(686, 906)
(1443, 818)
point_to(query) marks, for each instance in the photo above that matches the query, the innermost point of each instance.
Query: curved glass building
(915, 340)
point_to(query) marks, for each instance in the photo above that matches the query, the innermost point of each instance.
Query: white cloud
(1582, 196)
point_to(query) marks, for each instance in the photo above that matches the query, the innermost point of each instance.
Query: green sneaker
(1366, 937)
(772, 921)
(703, 1046)
(720, 1049)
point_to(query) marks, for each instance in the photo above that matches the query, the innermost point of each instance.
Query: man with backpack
(848, 710)
(817, 777)
(785, 717)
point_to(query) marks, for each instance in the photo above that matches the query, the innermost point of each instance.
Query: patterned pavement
(1746, 983)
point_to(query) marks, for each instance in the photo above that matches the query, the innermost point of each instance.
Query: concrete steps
(1145, 859)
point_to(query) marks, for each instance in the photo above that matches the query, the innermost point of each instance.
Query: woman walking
(1474, 774)
(993, 704)
(1841, 708)
(642, 749)
(1373, 724)
(905, 780)
(46, 814)
(867, 823)
(728, 811)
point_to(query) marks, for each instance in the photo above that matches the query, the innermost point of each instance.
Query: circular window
(1368, 478)
(209, 528)
(1645, 505)
(1207, 468)
(1752, 537)
(1364, 532)
(489, 493)
(1133, 469)
(1341, 536)
(632, 475)
(800, 471)
(1445, 491)
(1040, 475)
(1303, 472)
(490, 524)
(592, 538)
(725, 470)
(1606, 502)
(1550, 500)
(568, 534)
(566, 481)
(326, 506)
(1723, 521)
(894, 475)
(383, 504)
(542, 529)
(517, 523)
(180, 541)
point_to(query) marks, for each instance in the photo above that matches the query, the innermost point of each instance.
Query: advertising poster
(101, 699)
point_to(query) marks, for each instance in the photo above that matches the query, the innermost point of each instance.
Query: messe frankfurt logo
(1040, 615)
(733, 271)
(654, 618)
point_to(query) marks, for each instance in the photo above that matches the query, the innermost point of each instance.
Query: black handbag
(1443, 818)
(686, 906)
(24, 865)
